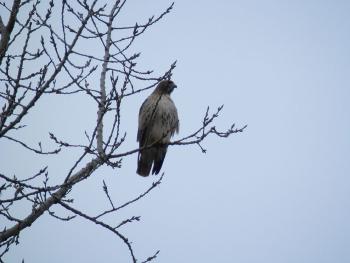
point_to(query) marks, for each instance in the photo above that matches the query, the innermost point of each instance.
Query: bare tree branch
(7, 30)
(102, 106)
(42, 57)
(58, 195)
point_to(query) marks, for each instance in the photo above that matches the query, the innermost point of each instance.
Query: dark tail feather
(159, 156)
(144, 163)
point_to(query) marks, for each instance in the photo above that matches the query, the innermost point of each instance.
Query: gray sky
(279, 192)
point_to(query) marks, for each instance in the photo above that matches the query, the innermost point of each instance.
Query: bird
(158, 121)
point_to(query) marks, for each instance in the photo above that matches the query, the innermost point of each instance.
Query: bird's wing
(172, 118)
(141, 120)
(147, 114)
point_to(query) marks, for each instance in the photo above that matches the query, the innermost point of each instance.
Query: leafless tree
(42, 54)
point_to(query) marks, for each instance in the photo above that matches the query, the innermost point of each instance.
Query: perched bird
(158, 121)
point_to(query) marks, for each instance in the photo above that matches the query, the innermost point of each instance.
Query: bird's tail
(159, 158)
(147, 157)
(144, 163)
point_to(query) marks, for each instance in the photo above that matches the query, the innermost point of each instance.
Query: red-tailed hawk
(158, 121)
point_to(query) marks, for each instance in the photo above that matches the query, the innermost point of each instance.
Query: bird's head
(165, 87)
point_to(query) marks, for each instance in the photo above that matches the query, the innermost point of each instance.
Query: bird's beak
(172, 87)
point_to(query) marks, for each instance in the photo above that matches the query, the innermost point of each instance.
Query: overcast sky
(279, 192)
